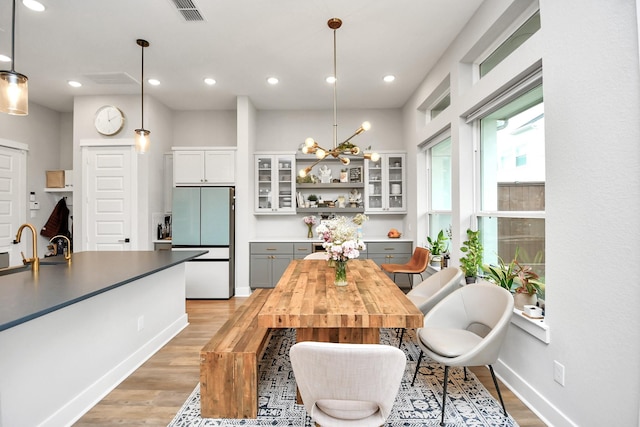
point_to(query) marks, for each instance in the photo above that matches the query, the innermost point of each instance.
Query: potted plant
(313, 200)
(438, 247)
(517, 278)
(471, 262)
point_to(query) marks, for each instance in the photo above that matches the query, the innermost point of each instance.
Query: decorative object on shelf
(359, 220)
(310, 221)
(345, 148)
(355, 174)
(313, 200)
(325, 174)
(142, 135)
(344, 175)
(355, 198)
(471, 262)
(341, 242)
(14, 91)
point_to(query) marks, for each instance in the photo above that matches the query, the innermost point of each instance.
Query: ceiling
(239, 43)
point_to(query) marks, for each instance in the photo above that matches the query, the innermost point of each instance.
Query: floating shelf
(330, 210)
(336, 185)
(58, 190)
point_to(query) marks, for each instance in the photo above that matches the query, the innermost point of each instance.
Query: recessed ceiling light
(33, 5)
(330, 79)
(273, 80)
(154, 82)
(389, 78)
(4, 58)
(210, 81)
(74, 83)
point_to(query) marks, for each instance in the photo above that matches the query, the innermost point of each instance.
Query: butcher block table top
(306, 299)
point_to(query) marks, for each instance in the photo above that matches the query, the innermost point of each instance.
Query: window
(439, 167)
(441, 105)
(522, 34)
(512, 182)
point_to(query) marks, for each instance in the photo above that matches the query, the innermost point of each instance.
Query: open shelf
(330, 210)
(336, 185)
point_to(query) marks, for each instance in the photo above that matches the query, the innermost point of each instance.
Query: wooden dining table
(306, 299)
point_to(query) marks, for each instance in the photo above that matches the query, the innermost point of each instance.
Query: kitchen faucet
(34, 261)
(67, 252)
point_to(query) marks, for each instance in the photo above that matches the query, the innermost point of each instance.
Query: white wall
(589, 51)
(41, 131)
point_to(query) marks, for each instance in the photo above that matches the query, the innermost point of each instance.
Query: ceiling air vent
(188, 10)
(111, 78)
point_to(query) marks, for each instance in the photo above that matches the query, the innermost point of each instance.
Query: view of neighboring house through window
(439, 156)
(512, 182)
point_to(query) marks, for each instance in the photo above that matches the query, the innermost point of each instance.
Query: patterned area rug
(468, 404)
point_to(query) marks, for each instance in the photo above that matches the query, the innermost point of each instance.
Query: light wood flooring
(153, 394)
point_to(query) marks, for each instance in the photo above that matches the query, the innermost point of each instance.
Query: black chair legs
(444, 392)
(495, 381)
(401, 336)
(417, 367)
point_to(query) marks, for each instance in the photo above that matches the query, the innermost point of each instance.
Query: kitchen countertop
(26, 295)
(303, 240)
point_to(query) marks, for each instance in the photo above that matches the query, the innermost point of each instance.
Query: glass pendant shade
(14, 95)
(142, 140)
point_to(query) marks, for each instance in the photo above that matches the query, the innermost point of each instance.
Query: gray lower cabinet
(268, 262)
(392, 253)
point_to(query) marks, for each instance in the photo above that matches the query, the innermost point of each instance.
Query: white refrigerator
(203, 218)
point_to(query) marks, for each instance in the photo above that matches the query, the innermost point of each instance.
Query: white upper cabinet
(204, 166)
(275, 184)
(385, 190)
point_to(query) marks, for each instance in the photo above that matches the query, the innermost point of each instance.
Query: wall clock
(109, 120)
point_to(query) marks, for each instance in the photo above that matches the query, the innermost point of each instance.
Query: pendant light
(14, 94)
(142, 135)
(346, 147)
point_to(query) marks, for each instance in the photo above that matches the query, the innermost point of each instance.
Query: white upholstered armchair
(347, 385)
(433, 289)
(466, 328)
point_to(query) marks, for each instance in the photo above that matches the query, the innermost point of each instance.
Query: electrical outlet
(140, 323)
(558, 372)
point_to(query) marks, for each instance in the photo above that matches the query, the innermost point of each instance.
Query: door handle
(126, 240)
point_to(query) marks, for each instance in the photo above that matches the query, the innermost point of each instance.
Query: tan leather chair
(433, 289)
(416, 265)
(346, 385)
(466, 328)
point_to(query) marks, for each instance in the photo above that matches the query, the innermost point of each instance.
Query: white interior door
(109, 200)
(13, 178)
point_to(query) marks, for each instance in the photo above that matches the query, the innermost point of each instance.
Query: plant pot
(521, 299)
(435, 260)
(470, 279)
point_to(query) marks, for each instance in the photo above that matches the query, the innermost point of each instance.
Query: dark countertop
(26, 295)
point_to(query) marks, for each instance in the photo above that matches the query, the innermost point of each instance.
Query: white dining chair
(347, 385)
(317, 255)
(433, 289)
(466, 328)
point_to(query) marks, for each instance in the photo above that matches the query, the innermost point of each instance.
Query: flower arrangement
(340, 238)
(310, 221)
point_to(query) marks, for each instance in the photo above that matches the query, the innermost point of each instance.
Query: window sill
(535, 327)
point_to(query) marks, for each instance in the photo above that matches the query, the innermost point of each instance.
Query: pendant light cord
(13, 37)
(335, 93)
(141, 90)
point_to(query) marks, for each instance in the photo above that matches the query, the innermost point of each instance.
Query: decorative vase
(520, 299)
(309, 231)
(341, 273)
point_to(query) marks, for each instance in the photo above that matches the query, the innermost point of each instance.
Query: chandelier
(345, 148)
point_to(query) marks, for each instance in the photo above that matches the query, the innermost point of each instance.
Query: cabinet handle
(272, 249)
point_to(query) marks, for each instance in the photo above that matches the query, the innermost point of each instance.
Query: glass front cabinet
(385, 190)
(275, 180)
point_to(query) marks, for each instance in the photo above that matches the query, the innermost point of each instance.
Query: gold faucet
(34, 261)
(67, 252)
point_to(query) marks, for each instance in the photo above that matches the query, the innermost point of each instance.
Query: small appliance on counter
(203, 218)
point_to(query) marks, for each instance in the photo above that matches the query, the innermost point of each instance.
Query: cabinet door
(219, 167)
(395, 187)
(188, 167)
(279, 265)
(265, 184)
(284, 196)
(260, 271)
(374, 175)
